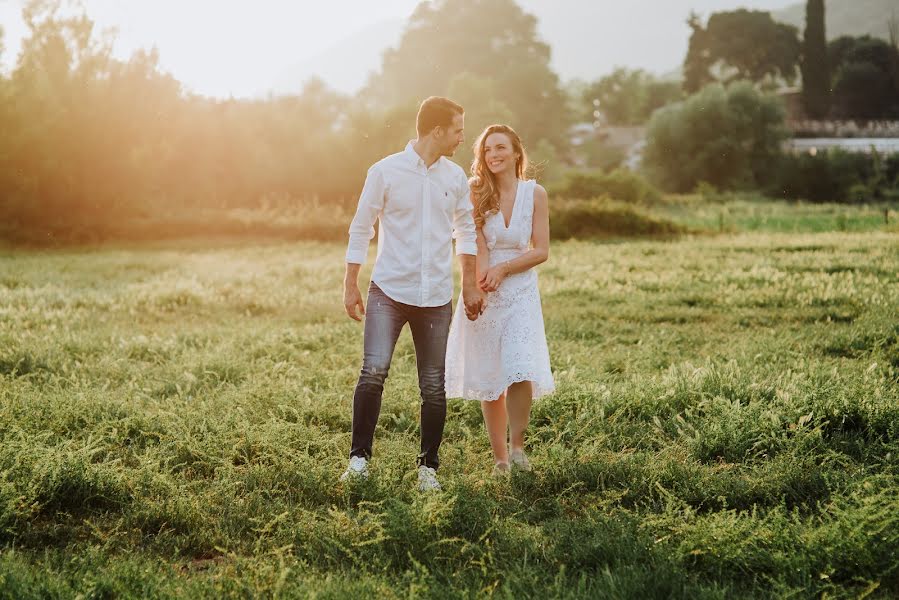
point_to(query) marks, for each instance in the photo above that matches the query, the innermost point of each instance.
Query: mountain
(589, 38)
(847, 17)
(346, 65)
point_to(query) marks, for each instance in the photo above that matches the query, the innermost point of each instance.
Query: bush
(835, 176)
(602, 217)
(602, 154)
(620, 184)
(864, 85)
(891, 170)
(546, 166)
(729, 137)
(629, 97)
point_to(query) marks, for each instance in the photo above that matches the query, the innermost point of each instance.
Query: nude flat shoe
(520, 460)
(500, 469)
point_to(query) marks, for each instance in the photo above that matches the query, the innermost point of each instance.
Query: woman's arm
(483, 262)
(533, 257)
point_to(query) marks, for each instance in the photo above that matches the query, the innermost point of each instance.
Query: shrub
(729, 137)
(602, 217)
(620, 184)
(835, 176)
(602, 154)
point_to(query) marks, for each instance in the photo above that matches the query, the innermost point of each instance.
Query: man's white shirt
(421, 210)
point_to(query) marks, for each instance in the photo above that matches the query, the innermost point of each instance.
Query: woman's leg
(496, 422)
(518, 406)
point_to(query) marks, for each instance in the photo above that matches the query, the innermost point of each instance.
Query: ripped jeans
(384, 319)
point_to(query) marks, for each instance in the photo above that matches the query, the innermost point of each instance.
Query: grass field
(173, 420)
(738, 213)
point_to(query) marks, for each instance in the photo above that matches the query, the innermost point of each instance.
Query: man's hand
(474, 301)
(472, 297)
(352, 300)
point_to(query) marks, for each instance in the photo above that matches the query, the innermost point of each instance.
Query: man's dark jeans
(384, 319)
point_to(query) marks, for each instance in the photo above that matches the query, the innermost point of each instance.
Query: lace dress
(507, 343)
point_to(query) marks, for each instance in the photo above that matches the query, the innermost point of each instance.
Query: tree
(55, 84)
(93, 146)
(630, 97)
(729, 137)
(740, 45)
(862, 92)
(696, 68)
(864, 86)
(499, 44)
(815, 68)
(893, 27)
(482, 108)
(7, 125)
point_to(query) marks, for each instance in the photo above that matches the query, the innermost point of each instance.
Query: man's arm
(362, 230)
(352, 298)
(467, 249)
(472, 296)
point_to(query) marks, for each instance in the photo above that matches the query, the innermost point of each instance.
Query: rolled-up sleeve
(463, 223)
(362, 229)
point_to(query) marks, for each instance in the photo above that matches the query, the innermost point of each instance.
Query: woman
(501, 358)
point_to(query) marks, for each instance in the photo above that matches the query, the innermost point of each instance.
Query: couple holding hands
(493, 349)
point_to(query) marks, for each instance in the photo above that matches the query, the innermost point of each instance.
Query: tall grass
(173, 421)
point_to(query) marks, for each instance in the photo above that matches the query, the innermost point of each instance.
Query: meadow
(174, 418)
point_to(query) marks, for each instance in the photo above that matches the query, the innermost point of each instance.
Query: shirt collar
(413, 156)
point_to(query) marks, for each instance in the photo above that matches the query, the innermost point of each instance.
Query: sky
(242, 47)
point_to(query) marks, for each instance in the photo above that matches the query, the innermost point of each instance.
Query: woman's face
(499, 153)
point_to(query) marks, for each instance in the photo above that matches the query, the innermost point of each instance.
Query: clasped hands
(491, 279)
(474, 297)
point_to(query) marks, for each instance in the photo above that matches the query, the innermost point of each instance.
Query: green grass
(173, 420)
(754, 213)
(625, 214)
(712, 213)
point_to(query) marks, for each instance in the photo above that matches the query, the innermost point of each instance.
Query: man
(422, 201)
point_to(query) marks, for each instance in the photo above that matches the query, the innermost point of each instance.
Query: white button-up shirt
(421, 210)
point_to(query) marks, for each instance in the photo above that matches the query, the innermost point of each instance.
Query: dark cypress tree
(815, 66)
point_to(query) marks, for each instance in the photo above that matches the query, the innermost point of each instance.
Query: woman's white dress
(507, 343)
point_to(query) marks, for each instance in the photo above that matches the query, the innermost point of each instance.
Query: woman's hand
(492, 279)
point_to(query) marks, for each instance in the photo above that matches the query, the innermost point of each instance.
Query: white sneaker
(357, 469)
(427, 480)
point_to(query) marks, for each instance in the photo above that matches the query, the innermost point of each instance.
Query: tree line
(849, 77)
(88, 138)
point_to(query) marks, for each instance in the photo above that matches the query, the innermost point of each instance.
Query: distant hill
(588, 38)
(847, 17)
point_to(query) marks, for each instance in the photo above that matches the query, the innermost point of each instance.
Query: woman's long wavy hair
(485, 194)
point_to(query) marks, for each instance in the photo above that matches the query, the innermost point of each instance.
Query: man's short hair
(436, 112)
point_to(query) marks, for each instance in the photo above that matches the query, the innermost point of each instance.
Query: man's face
(453, 135)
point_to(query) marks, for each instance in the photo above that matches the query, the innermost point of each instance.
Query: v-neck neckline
(514, 204)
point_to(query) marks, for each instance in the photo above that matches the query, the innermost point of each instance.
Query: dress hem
(539, 390)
